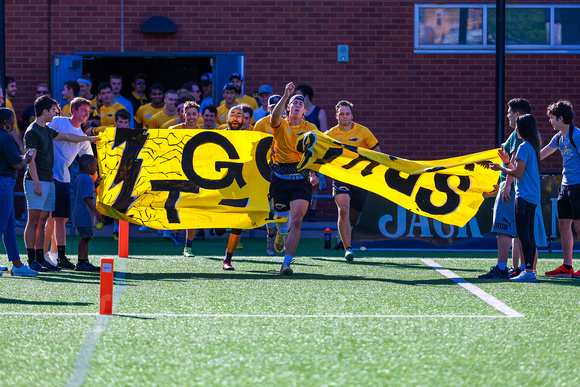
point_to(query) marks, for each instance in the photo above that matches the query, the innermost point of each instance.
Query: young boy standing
(85, 211)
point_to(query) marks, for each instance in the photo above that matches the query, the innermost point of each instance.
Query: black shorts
(358, 196)
(62, 200)
(284, 191)
(569, 202)
(86, 232)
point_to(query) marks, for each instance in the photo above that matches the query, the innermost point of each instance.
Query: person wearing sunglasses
(138, 96)
(28, 115)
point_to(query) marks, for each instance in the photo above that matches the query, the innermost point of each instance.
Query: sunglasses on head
(42, 91)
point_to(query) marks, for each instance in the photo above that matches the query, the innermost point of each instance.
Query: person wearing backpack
(561, 116)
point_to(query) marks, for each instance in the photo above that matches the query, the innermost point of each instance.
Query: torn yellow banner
(448, 190)
(184, 178)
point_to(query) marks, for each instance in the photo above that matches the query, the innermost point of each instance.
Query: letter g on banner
(234, 169)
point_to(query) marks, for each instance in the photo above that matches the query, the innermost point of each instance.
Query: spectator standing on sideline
(208, 118)
(65, 153)
(527, 173)
(10, 163)
(238, 80)
(110, 107)
(229, 93)
(84, 211)
(567, 141)
(10, 89)
(349, 199)
(38, 180)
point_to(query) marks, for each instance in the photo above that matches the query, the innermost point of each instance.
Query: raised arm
(276, 119)
(75, 137)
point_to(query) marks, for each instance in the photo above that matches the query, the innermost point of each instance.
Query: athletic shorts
(358, 196)
(62, 200)
(285, 191)
(86, 232)
(504, 213)
(45, 202)
(569, 202)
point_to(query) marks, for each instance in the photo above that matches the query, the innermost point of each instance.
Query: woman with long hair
(527, 174)
(10, 162)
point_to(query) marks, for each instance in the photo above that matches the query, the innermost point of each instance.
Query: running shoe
(286, 270)
(227, 265)
(495, 273)
(187, 252)
(280, 242)
(23, 271)
(561, 272)
(525, 277)
(270, 246)
(348, 255)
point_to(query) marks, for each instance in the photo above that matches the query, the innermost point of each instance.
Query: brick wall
(421, 106)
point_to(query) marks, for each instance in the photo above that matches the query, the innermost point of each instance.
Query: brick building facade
(420, 105)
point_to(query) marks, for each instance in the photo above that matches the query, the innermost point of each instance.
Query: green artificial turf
(386, 319)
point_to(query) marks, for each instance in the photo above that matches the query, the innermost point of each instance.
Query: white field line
(287, 316)
(90, 342)
(491, 300)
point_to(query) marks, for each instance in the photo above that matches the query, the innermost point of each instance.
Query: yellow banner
(184, 179)
(448, 190)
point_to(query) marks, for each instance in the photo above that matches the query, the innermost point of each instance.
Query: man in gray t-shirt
(566, 141)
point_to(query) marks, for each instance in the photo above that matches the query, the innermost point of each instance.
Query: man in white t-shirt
(65, 153)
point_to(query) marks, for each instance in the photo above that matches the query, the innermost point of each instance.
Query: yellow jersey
(359, 136)
(285, 137)
(107, 114)
(11, 107)
(245, 99)
(158, 119)
(144, 114)
(263, 125)
(169, 124)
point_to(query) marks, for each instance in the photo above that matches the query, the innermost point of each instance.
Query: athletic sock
(188, 243)
(229, 256)
(523, 267)
(568, 267)
(31, 255)
(502, 265)
(39, 253)
(61, 252)
(287, 259)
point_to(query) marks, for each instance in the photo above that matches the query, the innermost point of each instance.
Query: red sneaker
(576, 275)
(227, 265)
(561, 272)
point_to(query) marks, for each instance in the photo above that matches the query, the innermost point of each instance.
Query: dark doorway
(171, 72)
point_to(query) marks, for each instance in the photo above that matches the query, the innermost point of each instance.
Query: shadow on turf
(51, 303)
(362, 262)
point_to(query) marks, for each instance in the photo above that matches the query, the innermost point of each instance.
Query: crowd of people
(49, 139)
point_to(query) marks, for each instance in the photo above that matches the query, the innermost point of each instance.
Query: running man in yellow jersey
(349, 199)
(290, 189)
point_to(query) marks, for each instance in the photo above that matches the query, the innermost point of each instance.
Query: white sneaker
(525, 277)
(3, 268)
(50, 259)
(23, 271)
(348, 255)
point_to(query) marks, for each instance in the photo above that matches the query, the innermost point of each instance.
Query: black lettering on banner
(240, 203)
(175, 188)
(234, 169)
(395, 181)
(423, 198)
(129, 166)
(305, 147)
(261, 157)
(330, 155)
(367, 170)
